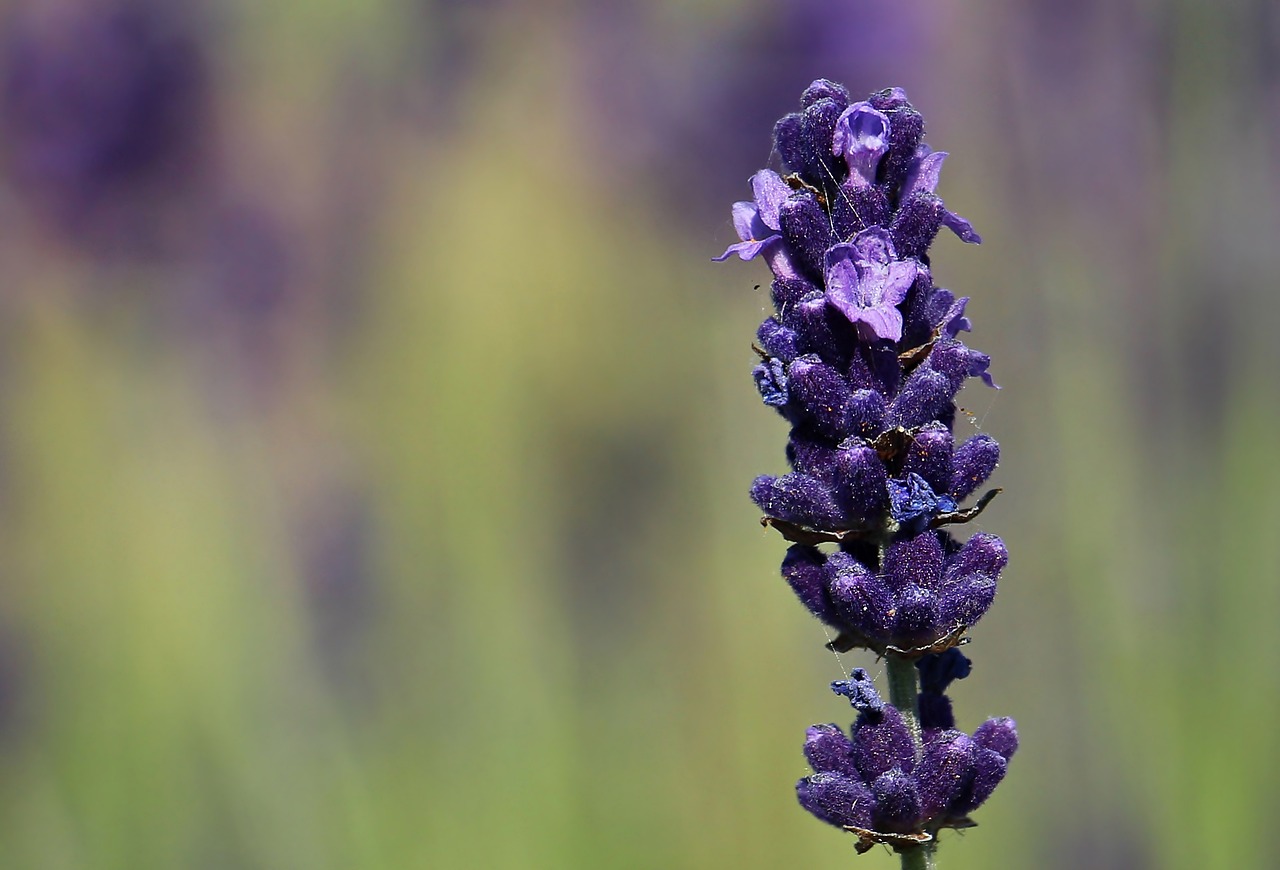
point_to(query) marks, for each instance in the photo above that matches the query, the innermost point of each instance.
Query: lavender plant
(863, 360)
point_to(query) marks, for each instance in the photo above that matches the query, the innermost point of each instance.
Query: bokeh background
(375, 432)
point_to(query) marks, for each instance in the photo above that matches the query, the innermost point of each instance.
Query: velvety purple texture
(806, 231)
(898, 807)
(998, 735)
(930, 456)
(771, 381)
(944, 772)
(876, 768)
(972, 464)
(859, 481)
(797, 498)
(822, 394)
(836, 799)
(804, 569)
(862, 357)
(926, 589)
(881, 742)
(828, 750)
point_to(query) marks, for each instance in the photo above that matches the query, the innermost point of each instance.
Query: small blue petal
(913, 497)
(860, 691)
(771, 381)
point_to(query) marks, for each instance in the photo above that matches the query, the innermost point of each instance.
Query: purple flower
(866, 281)
(922, 177)
(862, 138)
(758, 225)
(104, 107)
(862, 359)
(878, 778)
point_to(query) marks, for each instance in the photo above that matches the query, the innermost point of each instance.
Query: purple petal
(925, 169)
(842, 274)
(745, 250)
(745, 216)
(861, 138)
(864, 282)
(881, 322)
(901, 275)
(954, 321)
(873, 246)
(961, 228)
(770, 193)
(775, 255)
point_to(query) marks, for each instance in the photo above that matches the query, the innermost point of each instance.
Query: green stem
(903, 691)
(903, 694)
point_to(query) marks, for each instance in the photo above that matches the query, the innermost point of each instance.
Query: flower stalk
(863, 360)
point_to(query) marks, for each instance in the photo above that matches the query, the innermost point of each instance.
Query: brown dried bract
(968, 513)
(798, 534)
(892, 446)
(849, 640)
(868, 838)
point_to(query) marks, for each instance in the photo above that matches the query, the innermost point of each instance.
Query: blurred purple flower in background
(708, 88)
(104, 112)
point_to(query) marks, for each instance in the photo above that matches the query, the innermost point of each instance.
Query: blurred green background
(376, 432)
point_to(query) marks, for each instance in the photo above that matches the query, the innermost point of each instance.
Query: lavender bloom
(861, 138)
(876, 766)
(758, 224)
(864, 360)
(922, 178)
(865, 283)
(103, 106)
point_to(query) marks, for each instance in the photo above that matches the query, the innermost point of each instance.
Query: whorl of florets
(876, 784)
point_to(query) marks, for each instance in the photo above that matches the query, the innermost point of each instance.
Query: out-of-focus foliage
(374, 454)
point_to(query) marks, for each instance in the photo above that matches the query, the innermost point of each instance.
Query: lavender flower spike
(863, 359)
